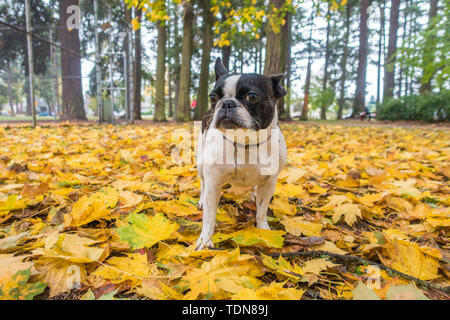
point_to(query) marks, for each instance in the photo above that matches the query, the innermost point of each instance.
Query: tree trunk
(137, 70)
(207, 36)
(169, 72)
(402, 69)
(276, 48)
(428, 54)
(10, 93)
(183, 109)
(323, 108)
(176, 66)
(344, 62)
(72, 91)
(304, 114)
(362, 60)
(380, 52)
(160, 105)
(127, 18)
(389, 66)
(288, 65)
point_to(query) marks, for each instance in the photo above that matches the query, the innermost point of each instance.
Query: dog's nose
(229, 104)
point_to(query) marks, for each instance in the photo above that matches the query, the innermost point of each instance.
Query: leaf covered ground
(102, 212)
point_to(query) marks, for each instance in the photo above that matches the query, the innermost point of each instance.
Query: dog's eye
(252, 97)
(213, 98)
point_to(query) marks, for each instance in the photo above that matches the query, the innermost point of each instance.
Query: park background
(94, 207)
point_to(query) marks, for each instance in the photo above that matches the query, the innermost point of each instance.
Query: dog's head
(244, 101)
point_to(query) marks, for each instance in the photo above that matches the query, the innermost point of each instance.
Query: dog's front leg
(264, 193)
(211, 195)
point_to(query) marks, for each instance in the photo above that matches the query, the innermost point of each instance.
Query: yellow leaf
(60, 275)
(253, 237)
(410, 258)
(350, 211)
(282, 207)
(129, 199)
(299, 226)
(315, 266)
(283, 268)
(227, 272)
(317, 189)
(143, 231)
(70, 247)
(133, 268)
(330, 247)
(273, 291)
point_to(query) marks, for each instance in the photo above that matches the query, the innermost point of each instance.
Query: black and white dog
(241, 143)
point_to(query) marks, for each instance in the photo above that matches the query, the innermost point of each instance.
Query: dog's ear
(278, 90)
(219, 69)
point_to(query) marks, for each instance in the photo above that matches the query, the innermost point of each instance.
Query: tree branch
(361, 261)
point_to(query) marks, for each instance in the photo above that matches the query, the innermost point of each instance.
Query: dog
(242, 120)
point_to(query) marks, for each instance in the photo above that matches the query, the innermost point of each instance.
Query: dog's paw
(263, 225)
(204, 242)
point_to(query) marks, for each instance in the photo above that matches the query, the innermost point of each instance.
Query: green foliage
(429, 107)
(19, 287)
(319, 97)
(424, 56)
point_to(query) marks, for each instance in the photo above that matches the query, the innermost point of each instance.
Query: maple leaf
(410, 258)
(143, 231)
(405, 292)
(315, 266)
(95, 207)
(298, 226)
(12, 264)
(363, 292)
(253, 236)
(282, 207)
(60, 275)
(350, 211)
(17, 287)
(283, 268)
(274, 291)
(12, 203)
(129, 199)
(227, 271)
(156, 290)
(70, 247)
(133, 268)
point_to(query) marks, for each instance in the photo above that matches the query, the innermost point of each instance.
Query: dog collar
(246, 146)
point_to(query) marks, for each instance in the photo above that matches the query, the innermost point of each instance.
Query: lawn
(101, 212)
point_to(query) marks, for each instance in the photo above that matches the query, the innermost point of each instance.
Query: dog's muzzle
(229, 117)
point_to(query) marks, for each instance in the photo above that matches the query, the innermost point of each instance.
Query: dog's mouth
(230, 123)
(231, 120)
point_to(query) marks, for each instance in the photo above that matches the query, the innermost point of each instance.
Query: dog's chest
(227, 162)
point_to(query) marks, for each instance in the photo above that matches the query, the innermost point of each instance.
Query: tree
(381, 51)
(137, 68)
(72, 92)
(160, 109)
(207, 37)
(345, 54)
(389, 69)
(362, 60)
(323, 108)
(277, 44)
(428, 53)
(304, 114)
(14, 44)
(183, 108)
